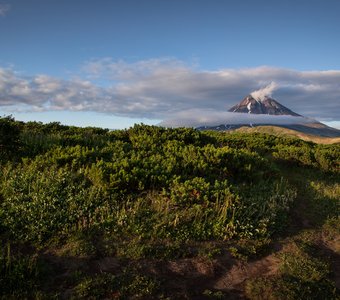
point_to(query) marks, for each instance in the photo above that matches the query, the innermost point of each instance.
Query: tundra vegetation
(89, 213)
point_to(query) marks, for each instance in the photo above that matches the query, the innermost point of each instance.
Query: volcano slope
(154, 213)
(291, 131)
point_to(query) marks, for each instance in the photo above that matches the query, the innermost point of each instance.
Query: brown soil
(188, 278)
(182, 278)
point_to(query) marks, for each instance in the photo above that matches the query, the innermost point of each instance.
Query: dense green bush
(148, 182)
(154, 192)
(9, 138)
(41, 203)
(324, 157)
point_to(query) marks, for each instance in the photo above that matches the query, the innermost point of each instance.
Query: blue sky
(112, 63)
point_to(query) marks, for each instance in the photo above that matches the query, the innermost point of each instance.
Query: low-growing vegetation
(302, 275)
(147, 193)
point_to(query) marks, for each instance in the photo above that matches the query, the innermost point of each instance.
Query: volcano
(267, 106)
(255, 110)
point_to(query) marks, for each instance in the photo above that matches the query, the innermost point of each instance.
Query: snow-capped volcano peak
(267, 106)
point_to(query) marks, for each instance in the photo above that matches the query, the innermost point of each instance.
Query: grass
(301, 276)
(22, 275)
(109, 286)
(310, 252)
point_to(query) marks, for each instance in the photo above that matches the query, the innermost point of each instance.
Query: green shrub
(38, 204)
(20, 275)
(9, 138)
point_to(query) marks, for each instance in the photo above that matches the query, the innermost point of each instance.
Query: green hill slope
(288, 132)
(154, 213)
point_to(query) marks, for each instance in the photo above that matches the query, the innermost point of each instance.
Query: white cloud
(162, 88)
(198, 117)
(4, 9)
(120, 70)
(265, 91)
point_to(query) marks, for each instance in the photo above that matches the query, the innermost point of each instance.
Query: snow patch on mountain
(267, 105)
(249, 108)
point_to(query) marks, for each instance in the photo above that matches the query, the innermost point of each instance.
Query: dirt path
(240, 272)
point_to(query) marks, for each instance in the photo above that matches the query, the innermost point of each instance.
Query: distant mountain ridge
(267, 106)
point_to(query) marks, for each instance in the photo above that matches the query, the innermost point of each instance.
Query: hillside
(155, 213)
(287, 132)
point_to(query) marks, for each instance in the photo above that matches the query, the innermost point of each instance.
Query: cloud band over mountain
(162, 88)
(198, 118)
